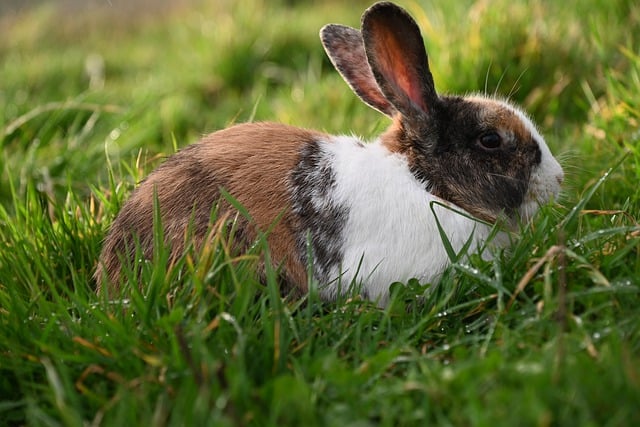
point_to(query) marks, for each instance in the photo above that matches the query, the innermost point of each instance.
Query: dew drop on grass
(623, 283)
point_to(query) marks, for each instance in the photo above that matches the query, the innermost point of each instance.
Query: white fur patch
(390, 232)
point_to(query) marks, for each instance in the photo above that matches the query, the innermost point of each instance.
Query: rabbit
(365, 213)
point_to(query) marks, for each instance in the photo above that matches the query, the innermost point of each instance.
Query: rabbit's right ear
(345, 48)
(398, 59)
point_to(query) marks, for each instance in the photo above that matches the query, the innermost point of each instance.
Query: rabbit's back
(252, 162)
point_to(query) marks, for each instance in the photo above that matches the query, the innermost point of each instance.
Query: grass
(547, 334)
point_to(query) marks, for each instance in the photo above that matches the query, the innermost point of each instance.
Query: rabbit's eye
(490, 141)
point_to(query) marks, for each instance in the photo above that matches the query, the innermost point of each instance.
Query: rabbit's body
(367, 212)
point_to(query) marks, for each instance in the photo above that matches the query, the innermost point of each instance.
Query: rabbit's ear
(397, 57)
(345, 48)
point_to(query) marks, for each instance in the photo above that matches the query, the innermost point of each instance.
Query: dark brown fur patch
(321, 218)
(444, 153)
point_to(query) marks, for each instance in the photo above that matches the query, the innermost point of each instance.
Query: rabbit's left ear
(397, 57)
(345, 48)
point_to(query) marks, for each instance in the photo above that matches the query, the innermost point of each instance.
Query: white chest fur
(391, 233)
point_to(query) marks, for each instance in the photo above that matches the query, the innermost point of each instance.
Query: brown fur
(392, 137)
(251, 161)
(495, 115)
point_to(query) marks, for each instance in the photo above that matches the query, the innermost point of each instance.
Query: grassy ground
(91, 100)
